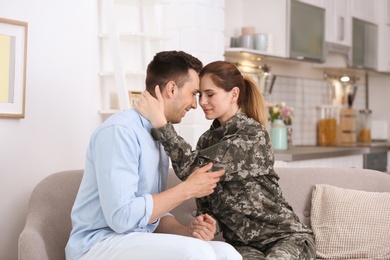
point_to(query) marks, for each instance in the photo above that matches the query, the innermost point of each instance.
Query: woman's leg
(250, 253)
(293, 248)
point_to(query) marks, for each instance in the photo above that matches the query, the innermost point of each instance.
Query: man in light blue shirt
(122, 208)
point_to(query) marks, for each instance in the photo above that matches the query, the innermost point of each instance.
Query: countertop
(298, 153)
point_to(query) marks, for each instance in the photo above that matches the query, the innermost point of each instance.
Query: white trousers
(150, 246)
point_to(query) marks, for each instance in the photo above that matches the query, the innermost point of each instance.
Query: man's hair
(170, 66)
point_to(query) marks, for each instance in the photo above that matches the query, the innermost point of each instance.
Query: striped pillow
(350, 224)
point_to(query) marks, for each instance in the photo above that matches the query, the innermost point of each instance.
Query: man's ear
(235, 94)
(170, 88)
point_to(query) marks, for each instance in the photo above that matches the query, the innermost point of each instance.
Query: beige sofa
(48, 220)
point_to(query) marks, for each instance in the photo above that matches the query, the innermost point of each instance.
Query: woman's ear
(235, 94)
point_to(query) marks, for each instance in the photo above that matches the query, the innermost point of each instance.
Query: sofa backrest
(297, 185)
(48, 222)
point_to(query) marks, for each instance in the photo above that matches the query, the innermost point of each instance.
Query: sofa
(48, 221)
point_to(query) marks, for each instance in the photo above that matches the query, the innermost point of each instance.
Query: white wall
(62, 100)
(63, 95)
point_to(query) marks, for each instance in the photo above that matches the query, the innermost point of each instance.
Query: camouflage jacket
(247, 203)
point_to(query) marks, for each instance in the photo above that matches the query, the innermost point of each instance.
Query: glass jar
(327, 125)
(364, 126)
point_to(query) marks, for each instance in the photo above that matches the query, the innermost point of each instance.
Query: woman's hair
(226, 76)
(170, 65)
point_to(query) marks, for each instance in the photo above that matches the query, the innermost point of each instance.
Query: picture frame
(13, 46)
(134, 96)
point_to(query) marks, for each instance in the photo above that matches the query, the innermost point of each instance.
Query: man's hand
(199, 184)
(203, 227)
(202, 182)
(152, 108)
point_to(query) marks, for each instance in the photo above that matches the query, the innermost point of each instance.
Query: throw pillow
(350, 224)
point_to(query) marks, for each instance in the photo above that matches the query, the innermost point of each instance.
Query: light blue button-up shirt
(124, 166)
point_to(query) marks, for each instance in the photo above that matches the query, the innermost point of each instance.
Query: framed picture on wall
(13, 53)
(133, 96)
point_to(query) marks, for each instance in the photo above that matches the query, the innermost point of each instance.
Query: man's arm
(199, 184)
(202, 227)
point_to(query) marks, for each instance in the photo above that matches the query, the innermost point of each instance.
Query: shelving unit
(129, 36)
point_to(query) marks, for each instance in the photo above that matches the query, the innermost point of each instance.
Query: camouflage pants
(290, 248)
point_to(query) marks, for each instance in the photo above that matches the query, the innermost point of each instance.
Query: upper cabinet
(307, 31)
(315, 30)
(338, 22)
(364, 44)
(266, 16)
(365, 10)
(384, 36)
(294, 29)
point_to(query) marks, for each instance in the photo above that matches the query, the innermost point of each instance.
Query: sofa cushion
(350, 224)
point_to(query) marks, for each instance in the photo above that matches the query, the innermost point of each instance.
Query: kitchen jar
(364, 126)
(327, 125)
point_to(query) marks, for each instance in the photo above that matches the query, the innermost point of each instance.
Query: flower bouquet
(280, 111)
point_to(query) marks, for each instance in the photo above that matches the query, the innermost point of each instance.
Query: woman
(247, 203)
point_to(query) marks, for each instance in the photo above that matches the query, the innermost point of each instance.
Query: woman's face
(216, 102)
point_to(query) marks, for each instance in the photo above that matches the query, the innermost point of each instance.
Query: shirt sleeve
(116, 154)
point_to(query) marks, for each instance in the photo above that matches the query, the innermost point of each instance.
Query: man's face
(184, 99)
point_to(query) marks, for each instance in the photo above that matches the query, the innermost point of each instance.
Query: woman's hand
(152, 108)
(203, 227)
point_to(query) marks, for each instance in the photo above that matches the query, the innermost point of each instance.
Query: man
(122, 208)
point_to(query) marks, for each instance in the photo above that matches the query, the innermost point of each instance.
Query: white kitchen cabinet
(318, 3)
(365, 10)
(338, 22)
(383, 35)
(266, 16)
(305, 35)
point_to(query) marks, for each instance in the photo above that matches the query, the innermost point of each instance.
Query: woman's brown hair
(227, 76)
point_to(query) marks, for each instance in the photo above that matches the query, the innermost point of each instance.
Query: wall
(196, 26)
(62, 100)
(63, 95)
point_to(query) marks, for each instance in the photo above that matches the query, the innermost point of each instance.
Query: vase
(279, 135)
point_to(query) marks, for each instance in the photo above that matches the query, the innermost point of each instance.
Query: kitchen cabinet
(338, 22)
(384, 36)
(318, 3)
(297, 29)
(266, 16)
(364, 44)
(365, 10)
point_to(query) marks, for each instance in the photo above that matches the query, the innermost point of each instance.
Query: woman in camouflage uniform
(247, 203)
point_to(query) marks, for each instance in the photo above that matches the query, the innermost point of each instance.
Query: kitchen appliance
(375, 161)
(266, 80)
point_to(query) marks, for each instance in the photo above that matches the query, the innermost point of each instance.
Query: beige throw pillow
(350, 224)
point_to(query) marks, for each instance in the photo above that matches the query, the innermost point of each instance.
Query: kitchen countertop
(298, 153)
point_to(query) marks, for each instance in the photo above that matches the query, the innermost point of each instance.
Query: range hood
(336, 57)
